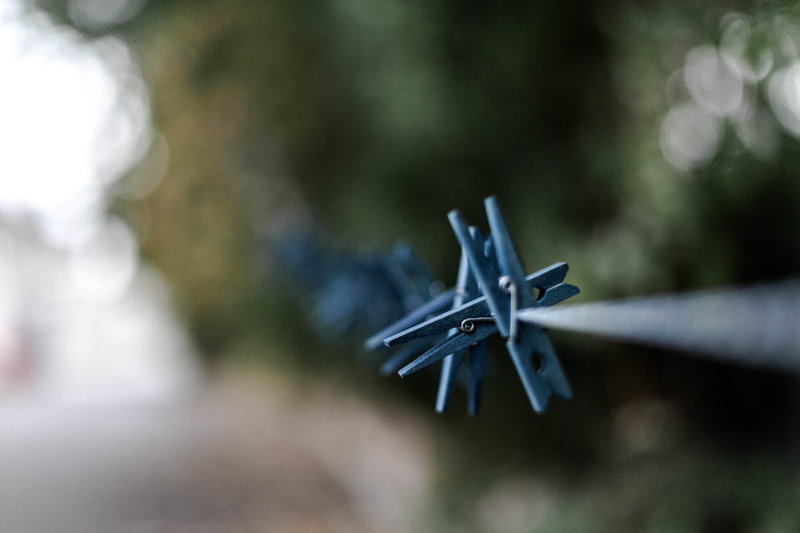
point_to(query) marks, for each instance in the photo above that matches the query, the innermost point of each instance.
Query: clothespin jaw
(491, 290)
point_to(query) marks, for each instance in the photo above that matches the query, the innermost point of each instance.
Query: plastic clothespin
(420, 297)
(466, 289)
(505, 290)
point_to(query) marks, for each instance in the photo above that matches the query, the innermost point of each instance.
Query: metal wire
(758, 325)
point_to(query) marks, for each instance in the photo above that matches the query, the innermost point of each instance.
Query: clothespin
(466, 290)
(352, 292)
(494, 266)
(420, 298)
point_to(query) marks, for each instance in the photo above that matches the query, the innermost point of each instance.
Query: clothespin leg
(477, 363)
(404, 355)
(507, 258)
(535, 386)
(550, 368)
(450, 368)
(432, 307)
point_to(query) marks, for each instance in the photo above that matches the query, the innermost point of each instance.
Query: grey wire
(758, 325)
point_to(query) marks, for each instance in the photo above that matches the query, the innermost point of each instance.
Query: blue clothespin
(350, 293)
(420, 298)
(505, 290)
(466, 290)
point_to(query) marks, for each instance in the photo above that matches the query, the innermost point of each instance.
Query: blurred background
(186, 186)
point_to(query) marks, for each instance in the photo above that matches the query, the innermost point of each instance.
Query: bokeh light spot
(690, 137)
(784, 97)
(713, 84)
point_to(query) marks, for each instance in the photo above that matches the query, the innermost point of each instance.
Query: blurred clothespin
(420, 296)
(350, 293)
(492, 288)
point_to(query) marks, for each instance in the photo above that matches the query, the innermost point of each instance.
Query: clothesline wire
(757, 325)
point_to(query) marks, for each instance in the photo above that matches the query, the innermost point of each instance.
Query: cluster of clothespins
(350, 294)
(490, 292)
(357, 293)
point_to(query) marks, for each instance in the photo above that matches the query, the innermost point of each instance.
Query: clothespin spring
(468, 325)
(508, 286)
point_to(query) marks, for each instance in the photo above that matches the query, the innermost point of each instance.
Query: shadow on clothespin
(491, 289)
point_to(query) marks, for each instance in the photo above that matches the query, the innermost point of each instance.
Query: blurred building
(85, 326)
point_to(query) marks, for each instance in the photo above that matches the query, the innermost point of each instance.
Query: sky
(74, 116)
